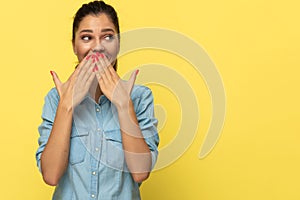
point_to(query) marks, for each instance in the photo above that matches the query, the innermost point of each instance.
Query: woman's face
(96, 33)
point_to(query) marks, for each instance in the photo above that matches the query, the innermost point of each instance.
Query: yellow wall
(255, 46)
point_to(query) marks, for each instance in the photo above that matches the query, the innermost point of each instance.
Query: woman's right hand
(76, 87)
(54, 159)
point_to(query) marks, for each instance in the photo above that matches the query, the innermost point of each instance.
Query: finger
(85, 59)
(113, 73)
(97, 72)
(100, 79)
(78, 69)
(111, 70)
(105, 60)
(56, 80)
(89, 54)
(100, 62)
(85, 62)
(85, 70)
(90, 79)
(107, 71)
(89, 73)
(103, 76)
(132, 79)
(100, 67)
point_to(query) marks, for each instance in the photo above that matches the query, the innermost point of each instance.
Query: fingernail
(101, 55)
(87, 57)
(136, 72)
(95, 68)
(51, 72)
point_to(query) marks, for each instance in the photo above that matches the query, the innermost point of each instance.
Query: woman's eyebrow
(107, 30)
(86, 30)
(103, 30)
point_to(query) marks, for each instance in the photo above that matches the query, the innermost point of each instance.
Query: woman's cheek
(83, 53)
(113, 51)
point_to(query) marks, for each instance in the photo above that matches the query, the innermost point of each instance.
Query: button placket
(96, 156)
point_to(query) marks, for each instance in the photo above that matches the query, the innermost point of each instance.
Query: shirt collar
(102, 99)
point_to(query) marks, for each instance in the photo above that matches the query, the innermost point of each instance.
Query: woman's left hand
(113, 87)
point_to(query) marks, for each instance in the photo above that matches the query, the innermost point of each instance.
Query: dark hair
(95, 8)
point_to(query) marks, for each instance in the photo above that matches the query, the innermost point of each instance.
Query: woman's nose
(98, 47)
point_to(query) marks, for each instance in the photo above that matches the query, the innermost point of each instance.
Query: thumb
(56, 80)
(132, 79)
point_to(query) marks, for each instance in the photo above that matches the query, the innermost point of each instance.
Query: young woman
(98, 138)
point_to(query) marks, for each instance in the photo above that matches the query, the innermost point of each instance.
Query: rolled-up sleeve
(48, 115)
(147, 121)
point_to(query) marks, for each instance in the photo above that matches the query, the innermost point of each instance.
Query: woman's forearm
(54, 159)
(136, 150)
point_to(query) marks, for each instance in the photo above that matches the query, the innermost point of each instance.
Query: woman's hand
(136, 151)
(54, 159)
(76, 87)
(113, 87)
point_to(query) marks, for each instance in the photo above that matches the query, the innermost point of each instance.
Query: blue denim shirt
(97, 167)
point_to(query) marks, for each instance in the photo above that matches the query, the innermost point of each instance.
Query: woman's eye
(109, 37)
(86, 38)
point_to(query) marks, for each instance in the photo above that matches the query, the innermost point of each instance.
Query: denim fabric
(97, 168)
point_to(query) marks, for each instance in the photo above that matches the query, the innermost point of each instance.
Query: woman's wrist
(66, 105)
(124, 104)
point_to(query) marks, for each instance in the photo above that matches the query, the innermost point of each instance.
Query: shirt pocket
(114, 154)
(77, 146)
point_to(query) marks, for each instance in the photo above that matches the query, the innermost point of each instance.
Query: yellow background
(255, 46)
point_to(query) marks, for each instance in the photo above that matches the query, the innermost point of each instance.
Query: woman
(98, 138)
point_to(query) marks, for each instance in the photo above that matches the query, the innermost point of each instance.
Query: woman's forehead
(95, 22)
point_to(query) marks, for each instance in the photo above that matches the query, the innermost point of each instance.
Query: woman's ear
(74, 48)
(118, 51)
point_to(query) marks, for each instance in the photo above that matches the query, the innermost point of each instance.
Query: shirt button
(94, 173)
(96, 149)
(99, 129)
(98, 110)
(93, 196)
